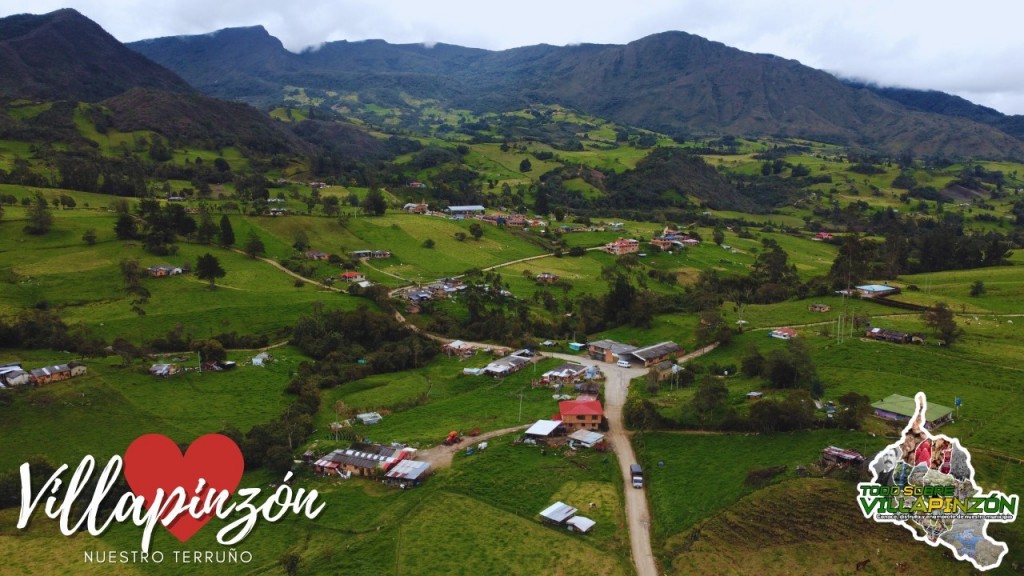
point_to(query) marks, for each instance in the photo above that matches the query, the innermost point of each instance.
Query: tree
(40, 220)
(89, 236)
(253, 245)
(227, 234)
(940, 319)
(978, 288)
(854, 408)
(525, 165)
(428, 243)
(67, 202)
(718, 235)
(209, 350)
(374, 203)
(131, 276)
(476, 230)
(206, 229)
(209, 268)
(710, 396)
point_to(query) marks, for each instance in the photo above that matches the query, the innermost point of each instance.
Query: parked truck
(636, 474)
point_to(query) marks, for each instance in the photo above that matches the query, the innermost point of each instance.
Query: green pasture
(421, 406)
(101, 412)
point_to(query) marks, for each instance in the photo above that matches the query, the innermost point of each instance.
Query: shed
(650, 355)
(841, 456)
(407, 473)
(543, 428)
(369, 418)
(902, 408)
(755, 395)
(558, 512)
(576, 346)
(580, 524)
(586, 438)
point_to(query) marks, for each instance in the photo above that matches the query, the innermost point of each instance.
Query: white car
(622, 364)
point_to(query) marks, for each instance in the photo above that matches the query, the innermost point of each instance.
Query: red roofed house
(622, 246)
(786, 333)
(581, 414)
(820, 236)
(351, 276)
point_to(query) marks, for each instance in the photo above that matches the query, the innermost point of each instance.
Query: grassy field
(102, 412)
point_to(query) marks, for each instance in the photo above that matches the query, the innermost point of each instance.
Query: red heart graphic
(153, 461)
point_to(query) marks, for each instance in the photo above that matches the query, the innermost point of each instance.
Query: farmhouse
(316, 255)
(622, 246)
(546, 278)
(375, 254)
(277, 211)
(463, 211)
(819, 307)
(841, 457)
(785, 333)
(655, 353)
(666, 369)
(359, 459)
(877, 290)
(567, 373)
(822, 236)
(13, 375)
(352, 276)
(580, 414)
(507, 365)
(57, 373)
(609, 350)
(901, 408)
(161, 271)
(414, 208)
(458, 348)
(889, 336)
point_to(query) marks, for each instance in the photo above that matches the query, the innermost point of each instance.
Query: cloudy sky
(972, 49)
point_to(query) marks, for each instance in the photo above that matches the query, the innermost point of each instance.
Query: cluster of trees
(159, 225)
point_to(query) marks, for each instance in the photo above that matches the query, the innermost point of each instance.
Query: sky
(972, 49)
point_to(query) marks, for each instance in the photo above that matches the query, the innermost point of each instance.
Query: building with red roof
(581, 414)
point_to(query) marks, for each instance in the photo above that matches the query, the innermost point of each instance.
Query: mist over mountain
(673, 82)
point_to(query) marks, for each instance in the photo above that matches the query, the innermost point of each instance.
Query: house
(655, 353)
(567, 373)
(608, 350)
(458, 348)
(505, 366)
(164, 370)
(418, 295)
(558, 513)
(13, 375)
(369, 418)
(841, 457)
(785, 333)
(364, 284)
(463, 211)
(900, 408)
(822, 236)
(316, 255)
(877, 290)
(585, 438)
(416, 208)
(277, 211)
(546, 278)
(407, 473)
(622, 246)
(161, 271)
(544, 429)
(665, 244)
(370, 254)
(666, 369)
(360, 459)
(580, 414)
(888, 336)
(56, 373)
(819, 307)
(755, 395)
(416, 184)
(352, 276)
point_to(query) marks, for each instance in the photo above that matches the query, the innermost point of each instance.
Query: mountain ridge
(674, 82)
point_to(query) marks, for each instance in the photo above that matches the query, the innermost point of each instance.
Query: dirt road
(440, 456)
(637, 513)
